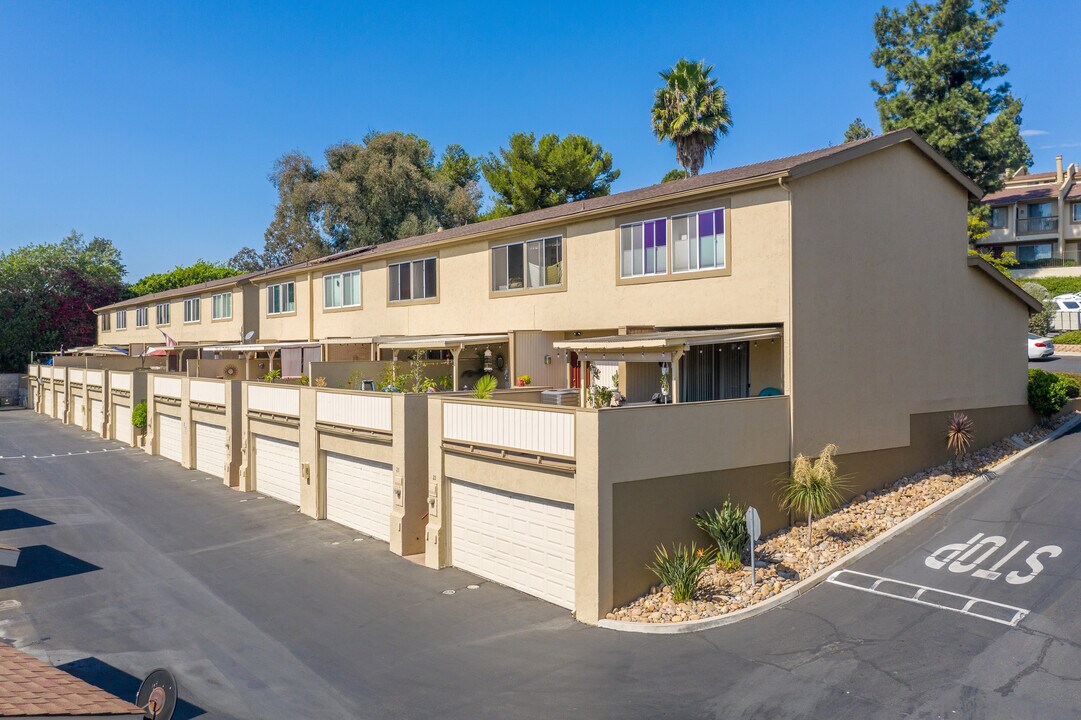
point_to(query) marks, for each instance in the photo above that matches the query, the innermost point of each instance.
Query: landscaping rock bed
(784, 558)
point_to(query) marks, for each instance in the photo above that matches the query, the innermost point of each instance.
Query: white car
(1039, 347)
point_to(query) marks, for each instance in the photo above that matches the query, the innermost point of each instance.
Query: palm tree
(691, 110)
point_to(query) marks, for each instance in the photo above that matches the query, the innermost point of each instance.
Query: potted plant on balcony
(523, 380)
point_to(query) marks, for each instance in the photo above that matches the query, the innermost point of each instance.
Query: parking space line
(864, 582)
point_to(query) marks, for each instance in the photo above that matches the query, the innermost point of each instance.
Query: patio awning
(654, 346)
(259, 347)
(97, 350)
(438, 342)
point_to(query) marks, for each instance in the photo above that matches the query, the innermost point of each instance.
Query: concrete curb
(804, 586)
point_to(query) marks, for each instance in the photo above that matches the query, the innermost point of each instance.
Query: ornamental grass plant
(681, 570)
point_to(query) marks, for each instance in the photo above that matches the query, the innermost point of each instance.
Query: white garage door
(524, 542)
(210, 449)
(359, 494)
(97, 415)
(62, 405)
(49, 402)
(122, 423)
(169, 437)
(277, 469)
(78, 415)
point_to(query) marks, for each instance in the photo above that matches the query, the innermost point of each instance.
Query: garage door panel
(210, 441)
(97, 415)
(359, 494)
(78, 410)
(169, 437)
(122, 423)
(523, 542)
(277, 468)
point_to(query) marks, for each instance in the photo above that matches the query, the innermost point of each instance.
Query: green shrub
(681, 570)
(1059, 285)
(138, 416)
(1071, 337)
(1071, 384)
(1040, 323)
(1047, 392)
(484, 387)
(728, 528)
(272, 376)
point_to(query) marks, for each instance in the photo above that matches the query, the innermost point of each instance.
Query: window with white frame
(1076, 217)
(162, 311)
(104, 322)
(121, 319)
(998, 217)
(698, 241)
(341, 290)
(280, 298)
(411, 280)
(142, 317)
(643, 248)
(527, 265)
(221, 306)
(192, 310)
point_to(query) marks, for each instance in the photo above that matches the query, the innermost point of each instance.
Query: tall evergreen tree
(858, 130)
(940, 81)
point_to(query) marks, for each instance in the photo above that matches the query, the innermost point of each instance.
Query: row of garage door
(208, 449)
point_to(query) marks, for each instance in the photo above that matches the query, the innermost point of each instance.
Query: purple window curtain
(705, 224)
(718, 216)
(649, 236)
(660, 232)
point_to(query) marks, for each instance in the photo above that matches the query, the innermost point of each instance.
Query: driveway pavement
(130, 563)
(1058, 363)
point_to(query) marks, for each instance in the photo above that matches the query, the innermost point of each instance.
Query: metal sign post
(754, 530)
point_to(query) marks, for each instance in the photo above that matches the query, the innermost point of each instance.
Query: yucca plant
(681, 570)
(959, 432)
(814, 487)
(485, 387)
(728, 528)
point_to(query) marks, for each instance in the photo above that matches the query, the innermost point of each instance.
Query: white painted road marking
(931, 597)
(65, 455)
(954, 555)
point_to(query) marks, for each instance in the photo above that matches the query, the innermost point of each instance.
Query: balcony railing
(1069, 258)
(1037, 225)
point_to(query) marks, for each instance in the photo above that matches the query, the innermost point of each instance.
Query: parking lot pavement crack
(1012, 683)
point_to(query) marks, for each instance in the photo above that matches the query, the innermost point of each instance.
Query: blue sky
(155, 124)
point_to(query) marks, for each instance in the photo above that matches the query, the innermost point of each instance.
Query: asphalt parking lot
(131, 563)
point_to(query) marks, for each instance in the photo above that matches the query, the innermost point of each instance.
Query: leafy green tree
(199, 271)
(1002, 263)
(691, 110)
(386, 187)
(676, 174)
(940, 82)
(858, 130)
(47, 292)
(979, 225)
(530, 174)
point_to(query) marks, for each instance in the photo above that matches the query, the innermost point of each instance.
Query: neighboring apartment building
(219, 311)
(1037, 217)
(821, 298)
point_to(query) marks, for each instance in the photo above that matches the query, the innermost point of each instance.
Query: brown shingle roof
(177, 292)
(1033, 176)
(1020, 194)
(1075, 191)
(31, 688)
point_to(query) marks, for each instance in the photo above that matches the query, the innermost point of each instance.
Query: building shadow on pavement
(15, 519)
(8, 492)
(124, 685)
(38, 563)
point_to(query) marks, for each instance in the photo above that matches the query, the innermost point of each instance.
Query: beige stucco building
(821, 298)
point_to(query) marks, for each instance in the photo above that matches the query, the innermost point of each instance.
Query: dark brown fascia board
(380, 254)
(880, 143)
(1034, 305)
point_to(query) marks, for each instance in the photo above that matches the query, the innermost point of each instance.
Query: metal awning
(438, 342)
(665, 341)
(258, 347)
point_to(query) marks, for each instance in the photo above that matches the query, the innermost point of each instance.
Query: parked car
(1039, 347)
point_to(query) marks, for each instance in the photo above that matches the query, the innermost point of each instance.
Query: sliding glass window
(528, 265)
(698, 241)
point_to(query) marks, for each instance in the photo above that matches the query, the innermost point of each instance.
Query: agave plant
(813, 488)
(728, 528)
(681, 569)
(959, 432)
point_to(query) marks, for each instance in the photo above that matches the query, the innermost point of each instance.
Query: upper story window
(643, 248)
(142, 317)
(412, 280)
(527, 265)
(1043, 209)
(698, 241)
(162, 312)
(998, 217)
(1076, 212)
(341, 290)
(192, 310)
(280, 298)
(104, 322)
(221, 306)
(121, 319)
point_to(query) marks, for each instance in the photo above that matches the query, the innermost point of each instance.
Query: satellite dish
(249, 335)
(158, 695)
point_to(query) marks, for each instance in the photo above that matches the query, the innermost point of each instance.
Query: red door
(576, 371)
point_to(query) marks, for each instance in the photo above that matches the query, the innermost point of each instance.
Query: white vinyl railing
(120, 380)
(277, 400)
(170, 387)
(372, 412)
(95, 377)
(207, 391)
(545, 432)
